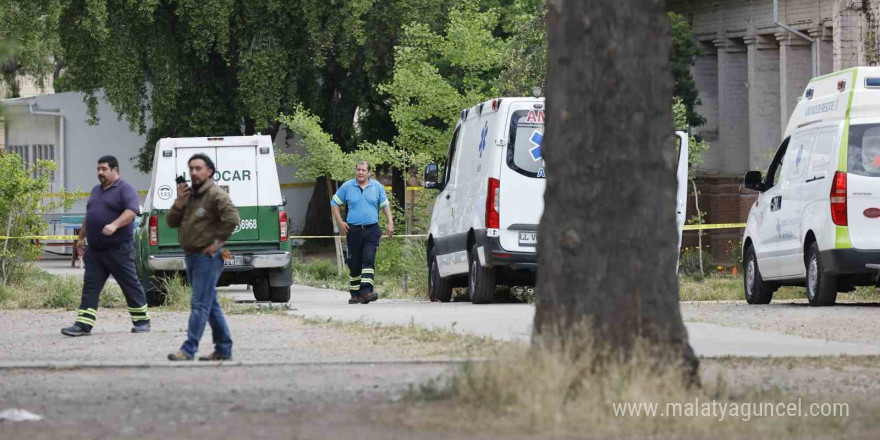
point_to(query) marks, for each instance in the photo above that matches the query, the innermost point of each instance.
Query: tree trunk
(318, 220)
(608, 235)
(398, 187)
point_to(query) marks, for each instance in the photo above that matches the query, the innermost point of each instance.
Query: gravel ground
(288, 379)
(843, 322)
(34, 337)
(294, 380)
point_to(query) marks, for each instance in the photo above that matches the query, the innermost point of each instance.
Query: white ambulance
(259, 245)
(816, 222)
(484, 226)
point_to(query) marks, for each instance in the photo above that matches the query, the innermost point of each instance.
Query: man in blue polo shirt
(363, 198)
(112, 207)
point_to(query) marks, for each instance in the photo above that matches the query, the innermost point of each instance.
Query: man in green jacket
(206, 218)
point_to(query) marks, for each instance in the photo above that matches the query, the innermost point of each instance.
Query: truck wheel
(757, 290)
(821, 287)
(261, 289)
(481, 280)
(439, 288)
(279, 294)
(152, 285)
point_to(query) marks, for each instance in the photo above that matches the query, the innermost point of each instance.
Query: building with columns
(758, 56)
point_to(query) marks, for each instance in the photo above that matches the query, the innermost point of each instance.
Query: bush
(689, 262)
(321, 270)
(23, 198)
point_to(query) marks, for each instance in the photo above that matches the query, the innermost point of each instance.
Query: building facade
(757, 58)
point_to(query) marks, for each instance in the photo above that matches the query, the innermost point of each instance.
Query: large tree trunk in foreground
(607, 248)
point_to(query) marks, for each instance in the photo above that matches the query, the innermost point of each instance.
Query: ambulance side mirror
(283, 200)
(754, 181)
(432, 173)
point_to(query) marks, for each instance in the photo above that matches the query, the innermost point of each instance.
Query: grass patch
(250, 309)
(36, 289)
(719, 287)
(447, 342)
(550, 393)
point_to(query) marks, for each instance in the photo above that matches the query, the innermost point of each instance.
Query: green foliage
(30, 28)
(32, 288)
(321, 270)
(324, 156)
(23, 191)
(689, 262)
(696, 146)
(525, 66)
(684, 53)
(438, 73)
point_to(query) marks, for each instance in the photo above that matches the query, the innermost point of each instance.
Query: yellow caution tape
(40, 237)
(305, 237)
(716, 226)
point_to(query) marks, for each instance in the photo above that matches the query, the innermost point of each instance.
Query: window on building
(30, 154)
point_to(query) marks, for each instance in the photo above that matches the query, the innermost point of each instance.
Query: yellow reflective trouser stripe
(367, 281)
(337, 200)
(140, 318)
(137, 309)
(354, 278)
(92, 311)
(85, 320)
(366, 271)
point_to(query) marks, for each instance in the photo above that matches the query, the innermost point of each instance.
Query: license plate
(528, 238)
(234, 261)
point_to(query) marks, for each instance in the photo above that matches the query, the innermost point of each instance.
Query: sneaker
(368, 297)
(215, 357)
(75, 330)
(141, 328)
(179, 356)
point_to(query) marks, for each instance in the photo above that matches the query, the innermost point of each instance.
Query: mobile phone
(180, 179)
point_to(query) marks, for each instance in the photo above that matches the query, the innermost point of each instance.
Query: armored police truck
(259, 245)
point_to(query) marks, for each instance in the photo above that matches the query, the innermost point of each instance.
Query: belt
(363, 226)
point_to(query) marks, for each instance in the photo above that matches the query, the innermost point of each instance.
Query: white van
(817, 219)
(259, 245)
(484, 226)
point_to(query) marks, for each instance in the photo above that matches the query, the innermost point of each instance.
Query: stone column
(764, 97)
(795, 71)
(733, 106)
(824, 49)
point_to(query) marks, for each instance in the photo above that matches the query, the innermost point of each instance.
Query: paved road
(513, 322)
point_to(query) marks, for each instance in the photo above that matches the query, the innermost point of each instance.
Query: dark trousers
(100, 264)
(362, 244)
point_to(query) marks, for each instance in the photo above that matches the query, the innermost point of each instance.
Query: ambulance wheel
(280, 294)
(439, 288)
(261, 289)
(821, 287)
(481, 280)
(757, 290)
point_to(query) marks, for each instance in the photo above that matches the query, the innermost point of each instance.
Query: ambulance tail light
(282, 225)
(154, 230)
(493, 204)
(838, 199)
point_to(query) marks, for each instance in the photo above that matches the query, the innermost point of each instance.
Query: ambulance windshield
(524, 148)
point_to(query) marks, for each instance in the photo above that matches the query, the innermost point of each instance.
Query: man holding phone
(111, 208)
(206, 218)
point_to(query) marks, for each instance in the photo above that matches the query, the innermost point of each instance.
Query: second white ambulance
(816, 222)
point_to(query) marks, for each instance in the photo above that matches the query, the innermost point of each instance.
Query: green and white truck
(260, 247)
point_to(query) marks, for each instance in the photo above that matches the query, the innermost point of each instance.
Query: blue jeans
(203, 272)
